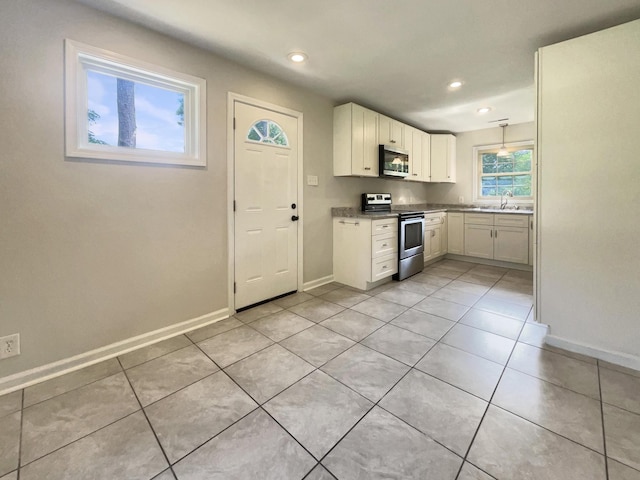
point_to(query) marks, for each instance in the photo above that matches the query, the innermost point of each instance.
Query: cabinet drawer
(384, 244)
(433, 219)
(384, 226)
(478, 218)
(510, 220)
(384, 267)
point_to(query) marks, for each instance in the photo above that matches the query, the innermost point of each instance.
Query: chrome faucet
(504, 198)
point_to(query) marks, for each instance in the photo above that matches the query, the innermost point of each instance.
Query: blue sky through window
(156, 117)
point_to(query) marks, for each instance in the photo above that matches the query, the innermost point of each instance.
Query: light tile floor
(439, 376)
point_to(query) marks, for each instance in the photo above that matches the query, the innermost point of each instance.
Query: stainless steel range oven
(410, 244)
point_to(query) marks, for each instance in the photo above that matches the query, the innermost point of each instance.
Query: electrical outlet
(460, 199)
(10, 346)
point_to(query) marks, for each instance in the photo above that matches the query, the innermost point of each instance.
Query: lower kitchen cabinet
(364, 250)
(455, 233)
(503, 237)
(434, 235)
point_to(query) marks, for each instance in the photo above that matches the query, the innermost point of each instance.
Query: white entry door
(266, 203)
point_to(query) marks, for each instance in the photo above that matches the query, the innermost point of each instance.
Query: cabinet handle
(491, 233)
(392, 141)
(496, 234)
(433, 233)
(367, 168)
(414, 174)
(349, 223)
(384, 266)
(384, 245)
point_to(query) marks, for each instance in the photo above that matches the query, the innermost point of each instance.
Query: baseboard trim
(485, 261)
(317, 283)
(68, 365)
(618, 358)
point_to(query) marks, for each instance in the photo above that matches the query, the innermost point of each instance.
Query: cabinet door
(443, 163)
(478, 241)
(352, 251)
(427, 243)
(371, 155)
(426, 156)
(364, 150)
(413, 142)
(384, 130)
(390, 132)
(455, 233)
(436, 246)
(511, 244)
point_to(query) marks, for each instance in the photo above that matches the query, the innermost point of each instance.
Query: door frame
(231, 99)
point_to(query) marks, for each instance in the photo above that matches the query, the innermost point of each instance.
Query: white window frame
(80, 57)
(477, 173)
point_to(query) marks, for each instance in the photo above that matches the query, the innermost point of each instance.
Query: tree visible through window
(498, 174)
(134, 115)
(121, 108)
(267, 131)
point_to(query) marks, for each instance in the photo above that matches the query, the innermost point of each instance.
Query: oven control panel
(376, 199)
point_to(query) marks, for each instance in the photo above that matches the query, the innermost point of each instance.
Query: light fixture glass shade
(503, 152)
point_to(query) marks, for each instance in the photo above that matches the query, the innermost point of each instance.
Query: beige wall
(449, 193)
(91, 252)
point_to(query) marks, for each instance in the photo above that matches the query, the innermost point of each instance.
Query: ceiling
(394, 56)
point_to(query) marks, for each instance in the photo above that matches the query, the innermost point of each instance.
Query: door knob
(293, 206)
(294, 218)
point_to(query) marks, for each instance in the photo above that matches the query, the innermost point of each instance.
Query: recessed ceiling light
(484, 110)
(455, 84)
(297, 57)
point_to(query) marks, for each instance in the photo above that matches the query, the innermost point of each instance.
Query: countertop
(356, 212)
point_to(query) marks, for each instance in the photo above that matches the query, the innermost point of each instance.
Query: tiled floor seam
(20, 436)
(604, 433)
(155, 435)
(75, 388)
(77, 439)
(489, 403)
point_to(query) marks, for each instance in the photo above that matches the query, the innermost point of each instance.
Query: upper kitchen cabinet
(355, 141)
(419, 145)
(391, 132)
(443, 158)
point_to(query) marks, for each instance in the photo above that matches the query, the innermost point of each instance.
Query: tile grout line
(146, 417)
(19, 468)
(489, 403)
(604, 436)
(260, 406)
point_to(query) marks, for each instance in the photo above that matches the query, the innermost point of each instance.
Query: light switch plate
(312, 180)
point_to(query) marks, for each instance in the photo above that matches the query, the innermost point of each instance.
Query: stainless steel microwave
(394, 162)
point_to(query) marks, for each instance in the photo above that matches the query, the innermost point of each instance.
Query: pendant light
(503, 152)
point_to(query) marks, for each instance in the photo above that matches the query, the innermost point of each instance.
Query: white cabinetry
(443, 158)
(511, 238)
(455, 230)
(434, 235)
(355, 141)
(391, 132)
(419, 145)
(502, 237)
(364, 250)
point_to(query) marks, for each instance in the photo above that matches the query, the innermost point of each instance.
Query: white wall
(465, 141)
(589, 195)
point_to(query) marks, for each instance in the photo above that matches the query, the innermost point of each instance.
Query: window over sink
(512, 175)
